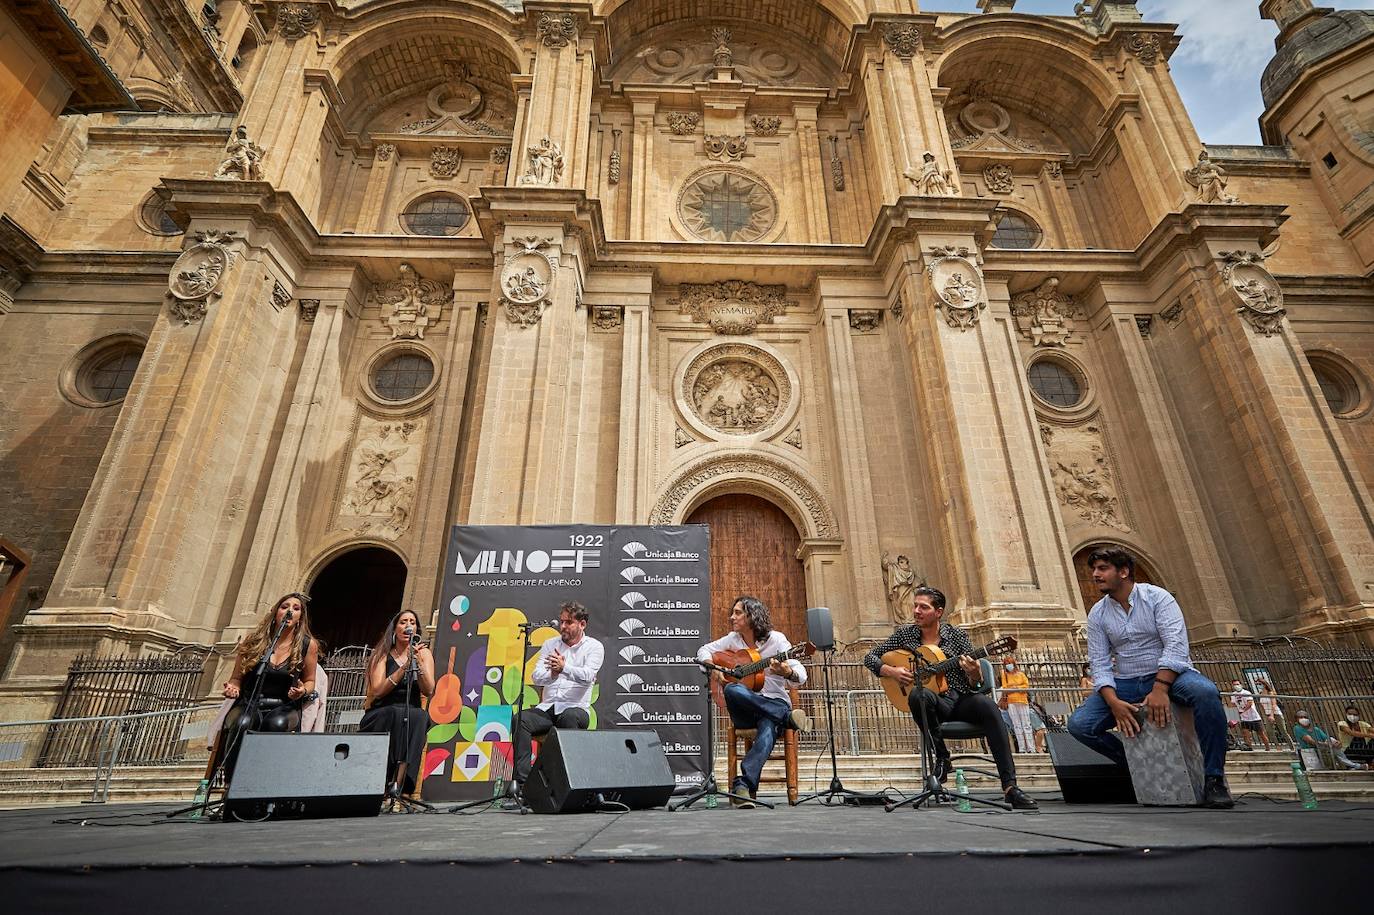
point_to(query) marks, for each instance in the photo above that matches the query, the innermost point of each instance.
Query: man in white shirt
(767, 710)
(566, 671)
(1139, 656)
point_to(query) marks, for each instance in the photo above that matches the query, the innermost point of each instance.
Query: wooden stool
(789, 752)
(1166, 763)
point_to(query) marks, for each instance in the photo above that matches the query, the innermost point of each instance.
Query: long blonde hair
(255, 643)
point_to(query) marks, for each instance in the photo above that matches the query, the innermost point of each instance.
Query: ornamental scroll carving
(1145, 47)
(765, 126)
(733, 308)
(902, 40)
(958, 286)
(1259, 294)
(527, 279)
(198, 274)
(1082, 474)
(1045, 315)
(683, 123)
(724, 148)
(295, 21)
(739, 470)
(999, 178)
(410, 303)
(556, 30)
(379, 487)
(444, 161)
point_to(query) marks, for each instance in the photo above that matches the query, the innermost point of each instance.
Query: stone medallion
(1260, 296)
(527, 279)
(197, 275)
(957, 284)
(727, 204)
(736, 389)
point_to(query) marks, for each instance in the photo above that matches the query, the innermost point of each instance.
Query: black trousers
(535, 722)
(273, 715)
(970, 708)
(407, 743)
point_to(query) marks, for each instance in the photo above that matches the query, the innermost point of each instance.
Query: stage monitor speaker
(582, 770)
(308, 775)
(820, 630)
(1086, 776)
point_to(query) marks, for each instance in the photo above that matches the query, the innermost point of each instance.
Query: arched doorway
(754, 551)
(353, 597)
(1144, 572)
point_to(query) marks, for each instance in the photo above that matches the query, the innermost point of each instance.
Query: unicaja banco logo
(628, 710)
(631, 653)
(632, 573)
(634, 548)
(632, 600)
(628, 682)
(629, 625)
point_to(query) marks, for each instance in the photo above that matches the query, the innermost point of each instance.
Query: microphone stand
(243, 723)
(709, 788)
(935, 793)
(837, 788)
(512, 790)
(407, 804)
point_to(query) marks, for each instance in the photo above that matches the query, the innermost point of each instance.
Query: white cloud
(1227, 37)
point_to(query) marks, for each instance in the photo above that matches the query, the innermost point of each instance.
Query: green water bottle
(1305, 792)
(961, 789)
(202, 795)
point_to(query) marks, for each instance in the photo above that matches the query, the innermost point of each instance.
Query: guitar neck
(950, 663)
(755, 666)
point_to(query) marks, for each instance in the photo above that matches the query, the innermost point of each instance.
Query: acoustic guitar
(747, 666)
(447, 701)
(929, 665)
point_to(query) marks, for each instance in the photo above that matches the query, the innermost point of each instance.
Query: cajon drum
(1166, 763)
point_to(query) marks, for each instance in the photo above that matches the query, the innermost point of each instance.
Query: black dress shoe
(1020, 800)
(1215, 794)
(943, 766)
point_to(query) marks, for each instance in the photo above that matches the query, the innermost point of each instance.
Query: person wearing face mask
(1307, 734)
(1250, 722)
(1357, 737)
(1016, 701)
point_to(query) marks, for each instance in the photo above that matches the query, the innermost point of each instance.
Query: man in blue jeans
(769, 709)
(1141, 627)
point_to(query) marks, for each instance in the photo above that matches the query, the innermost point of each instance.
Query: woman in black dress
(393, 707)
(289, 676)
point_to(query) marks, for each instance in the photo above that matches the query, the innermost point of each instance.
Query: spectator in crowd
(1250, 721)
(1272, 711)
(1085, 679)
(1016, 701)
(1308, 736)
(1357, 737)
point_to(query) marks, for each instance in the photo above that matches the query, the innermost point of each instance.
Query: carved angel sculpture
(931, 181)
(242, 158)
(1210, 180)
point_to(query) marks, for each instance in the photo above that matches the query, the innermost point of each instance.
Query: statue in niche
(735, 397)
(545, 164)
(242, 158)
(900, 582)
(1210, 181)
(931, 181)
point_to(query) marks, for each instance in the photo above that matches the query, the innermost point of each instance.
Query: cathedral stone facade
(881, 293)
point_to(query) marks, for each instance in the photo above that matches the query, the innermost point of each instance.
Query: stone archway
(1145, 571)
(354, 595)
(754, 551)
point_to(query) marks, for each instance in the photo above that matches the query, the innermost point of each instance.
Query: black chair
(960, 730)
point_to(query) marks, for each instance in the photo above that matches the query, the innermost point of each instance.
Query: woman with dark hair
(399, 673)
(287, 678)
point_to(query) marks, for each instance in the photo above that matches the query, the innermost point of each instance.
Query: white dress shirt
(774, 686)
(573, 687)
(1150, 637)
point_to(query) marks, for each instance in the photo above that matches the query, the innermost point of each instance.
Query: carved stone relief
(692, 56)
(739, 469)
(1144, 324)
(931, 180)
(681, 437)
(198, 274)
(500, 154)
(836, 164)
(613, 168)
(457, 106)
(556, 30)
(722, 56)
(765, 126)
(1082, 474)
(1259, 294)
(606, 317)
(1054, 169)
(753, 215)
(736, 389)
(527, 279)
(902, 40)
(545, 166)
(385, 151)
(958, 286)
(999, 178)
(734, 307)
(242, 158)
(724, 148)
(308, 309)
(1209, 180)
(1045, 315)
(295, 21)
(410, 303)
(794, 438)
(985, 126)
(1173, 314)
(380, 482)
(444, 161)
(280, 297)
(865, 320)
(683, 123)
(1145, 47)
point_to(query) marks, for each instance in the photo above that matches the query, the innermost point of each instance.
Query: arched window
(402, 376)
(436, 214)
(1056, 383)
(1015, 231)
(1338, 384)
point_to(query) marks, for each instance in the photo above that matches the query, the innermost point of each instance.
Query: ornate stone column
(559, 110)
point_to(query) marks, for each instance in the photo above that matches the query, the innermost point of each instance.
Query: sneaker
(801, 721)
(1215, 794)
(1020, 800)
(742, 801)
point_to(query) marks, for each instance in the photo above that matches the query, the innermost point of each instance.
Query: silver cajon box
(1166, 763)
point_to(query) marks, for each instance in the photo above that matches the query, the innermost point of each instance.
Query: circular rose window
(736, 389)
(727, 205)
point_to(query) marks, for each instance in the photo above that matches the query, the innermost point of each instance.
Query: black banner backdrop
(649, 593)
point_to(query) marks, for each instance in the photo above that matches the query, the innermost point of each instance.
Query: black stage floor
(1262, 856)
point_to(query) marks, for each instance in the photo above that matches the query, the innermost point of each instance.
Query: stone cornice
(1203, 223)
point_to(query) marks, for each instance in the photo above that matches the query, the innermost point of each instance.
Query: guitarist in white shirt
(961, 701)
(767, 710)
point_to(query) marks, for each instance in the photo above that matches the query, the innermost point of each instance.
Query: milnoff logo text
(635, 629)
(637, 601)
(636, 576)
(514, 562)
(642, 553)
(635, 656)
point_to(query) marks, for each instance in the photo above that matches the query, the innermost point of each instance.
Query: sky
(1217, 67)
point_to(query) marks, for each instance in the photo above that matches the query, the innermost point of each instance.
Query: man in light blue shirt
(1141, 628)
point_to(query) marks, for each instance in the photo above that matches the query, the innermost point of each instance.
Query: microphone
(288, 615)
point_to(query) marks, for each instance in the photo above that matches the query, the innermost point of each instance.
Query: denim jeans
(749, 709)
(1091, 721)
